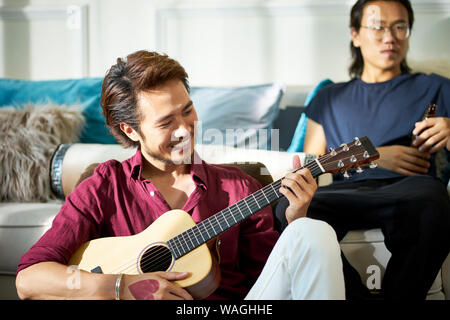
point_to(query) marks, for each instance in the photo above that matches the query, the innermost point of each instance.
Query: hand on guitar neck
(299, 188)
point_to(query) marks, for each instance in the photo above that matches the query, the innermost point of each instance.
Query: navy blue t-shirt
(385, 111)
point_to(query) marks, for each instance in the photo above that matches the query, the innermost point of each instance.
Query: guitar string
(241, 202)
(155, 259)
(152, 260)
(244, 203)
(250, 203)
(222, 217)
(220, 221)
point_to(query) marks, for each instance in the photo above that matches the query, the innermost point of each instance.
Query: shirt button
(152, 193)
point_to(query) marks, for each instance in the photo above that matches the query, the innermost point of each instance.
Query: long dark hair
(357, 64)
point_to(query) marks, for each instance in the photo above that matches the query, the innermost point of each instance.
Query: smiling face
(168, 124)
(382, 57)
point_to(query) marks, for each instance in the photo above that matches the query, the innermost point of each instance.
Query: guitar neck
(355, 153)
(227, 218)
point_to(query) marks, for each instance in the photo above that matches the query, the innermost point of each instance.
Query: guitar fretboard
(225, 219)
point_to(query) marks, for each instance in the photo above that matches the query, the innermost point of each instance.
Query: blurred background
(219, 42)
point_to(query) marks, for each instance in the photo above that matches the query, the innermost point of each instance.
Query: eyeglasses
(399, 30)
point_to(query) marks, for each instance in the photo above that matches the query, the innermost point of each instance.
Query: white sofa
(21, 224)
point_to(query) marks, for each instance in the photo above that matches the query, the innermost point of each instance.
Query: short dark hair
(357, 64)
(138, 72)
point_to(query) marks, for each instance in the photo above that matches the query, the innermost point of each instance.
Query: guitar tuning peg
(357, 141)
(359, 170)
(366, 155)
(373, 165)
(332, 152)
(344, 147)
(340, 164)
(353, 158)
(346, 174)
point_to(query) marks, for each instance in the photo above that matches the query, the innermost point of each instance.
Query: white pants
(304, 264)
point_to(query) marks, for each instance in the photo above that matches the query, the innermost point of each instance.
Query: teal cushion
(237, 116)
(84, 92)
(298, 139)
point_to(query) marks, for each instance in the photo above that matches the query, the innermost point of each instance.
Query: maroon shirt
(116, 201)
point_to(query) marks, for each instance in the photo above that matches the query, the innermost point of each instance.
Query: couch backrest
(264, 165)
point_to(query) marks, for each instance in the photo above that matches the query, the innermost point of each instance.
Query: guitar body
(142, 253)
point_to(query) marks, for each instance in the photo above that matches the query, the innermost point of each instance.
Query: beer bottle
(429, 113)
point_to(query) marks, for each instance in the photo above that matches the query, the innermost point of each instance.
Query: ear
(129, 131)
(355, 37)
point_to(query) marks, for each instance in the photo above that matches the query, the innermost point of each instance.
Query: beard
(178, 155)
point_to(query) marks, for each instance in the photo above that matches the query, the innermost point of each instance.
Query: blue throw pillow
(84, 92)
(237, 116)
(298, 139)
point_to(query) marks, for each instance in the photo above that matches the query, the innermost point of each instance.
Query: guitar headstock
(350, 155)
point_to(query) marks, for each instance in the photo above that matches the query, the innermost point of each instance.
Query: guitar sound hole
(156, 258)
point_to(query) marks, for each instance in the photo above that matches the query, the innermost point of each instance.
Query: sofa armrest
(78, 157)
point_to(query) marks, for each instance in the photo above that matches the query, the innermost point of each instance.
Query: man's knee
(317, 235)
(312, 247)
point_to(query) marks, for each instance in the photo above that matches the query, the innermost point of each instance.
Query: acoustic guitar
(174, 242)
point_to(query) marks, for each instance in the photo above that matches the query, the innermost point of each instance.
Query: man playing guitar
(146, 103)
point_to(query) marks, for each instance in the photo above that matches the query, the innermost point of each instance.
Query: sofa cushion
(85, 92)
(21, 225)
(298, 138)
(363, 236)
(365, 250)
(219, 108)
(237, 116)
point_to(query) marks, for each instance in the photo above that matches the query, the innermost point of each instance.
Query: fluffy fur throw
(28, 137)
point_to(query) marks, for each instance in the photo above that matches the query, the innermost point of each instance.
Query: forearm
(52, 280)
(315, 141)
(404, 160)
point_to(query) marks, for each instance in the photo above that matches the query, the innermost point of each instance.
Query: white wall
(219, 42)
